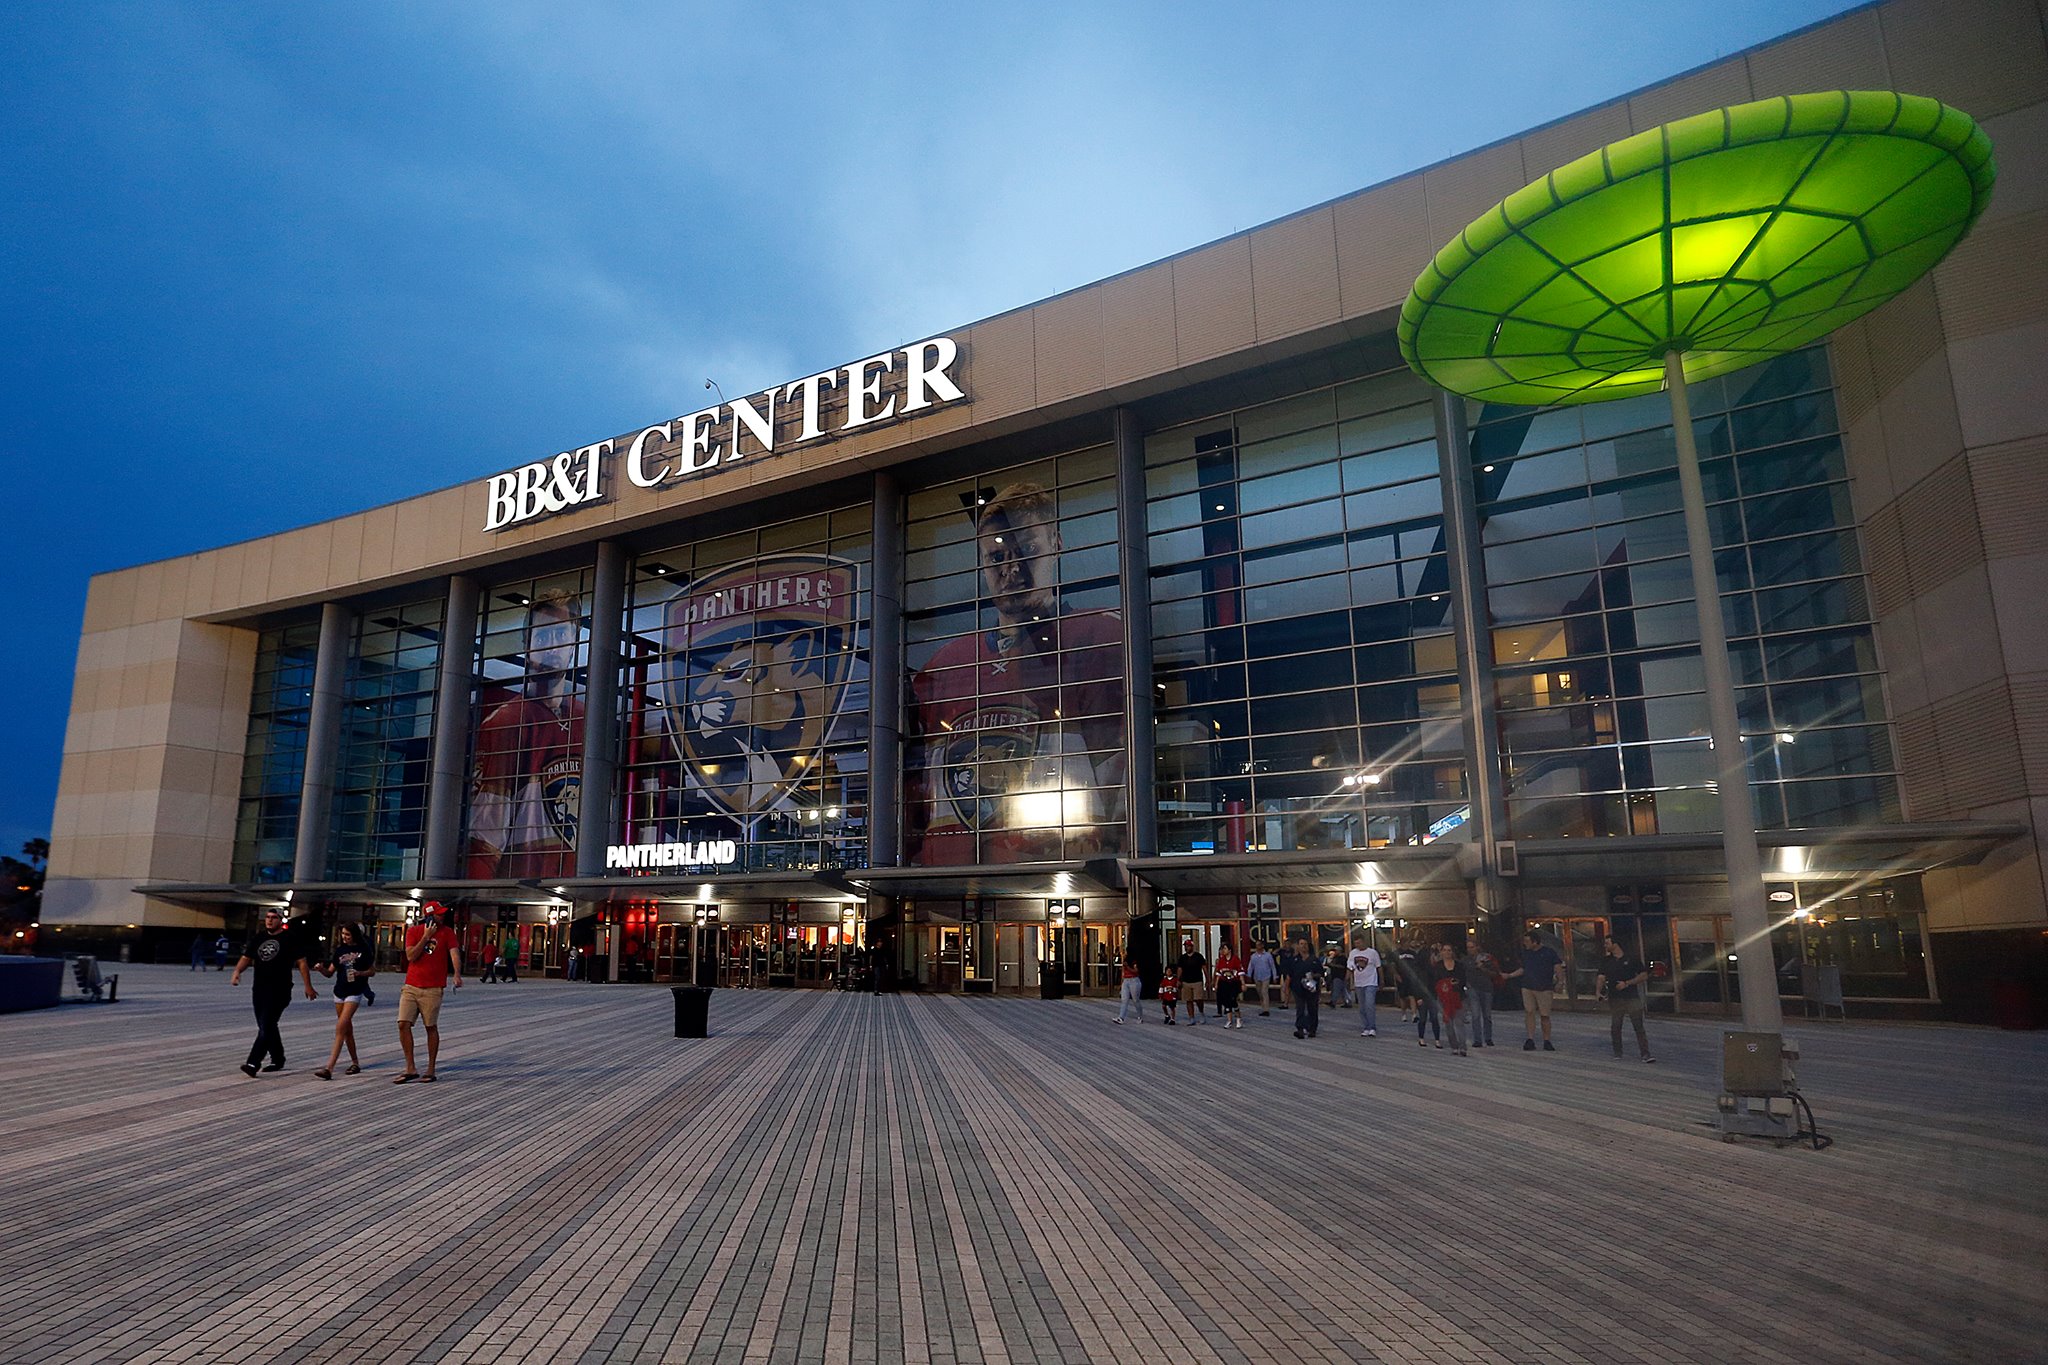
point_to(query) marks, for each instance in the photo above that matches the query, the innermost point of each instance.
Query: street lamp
(1689, 251)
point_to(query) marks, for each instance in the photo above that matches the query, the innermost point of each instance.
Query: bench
(101, 990)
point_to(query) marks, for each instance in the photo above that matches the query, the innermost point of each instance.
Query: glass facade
(745, 695)
(1597, 671)
(1013, 632)
(1305, 677)
(526, 756)
(387, 727)
(274, 761)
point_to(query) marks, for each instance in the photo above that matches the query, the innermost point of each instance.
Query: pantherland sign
(890, 387)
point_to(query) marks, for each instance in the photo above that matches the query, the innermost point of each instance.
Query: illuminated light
(831, 812)
(1801, 913)
(1370, 779)
(1784, 737)
(414, 893)
(1487, 470)
(1781, 896)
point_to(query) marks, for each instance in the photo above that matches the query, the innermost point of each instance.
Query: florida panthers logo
(760, 658)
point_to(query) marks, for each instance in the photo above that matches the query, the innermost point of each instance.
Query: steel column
(448, 773)
(1134, 568)
(323, 743)
(885, 675)
(601, 711)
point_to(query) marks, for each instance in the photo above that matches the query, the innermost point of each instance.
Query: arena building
(1173, 605)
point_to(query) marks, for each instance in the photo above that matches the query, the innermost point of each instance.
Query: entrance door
(1585, 946)
(672, 952)
(946, 961)
(817, 962)
(1103, 946)
(1702, 966)
(1017, 957)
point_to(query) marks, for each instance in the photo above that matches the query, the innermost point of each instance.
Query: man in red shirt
(526, 787)
(432, 959)
(1021, 726)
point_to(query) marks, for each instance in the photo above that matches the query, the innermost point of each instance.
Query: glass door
(1702, 965)
(1103, 945)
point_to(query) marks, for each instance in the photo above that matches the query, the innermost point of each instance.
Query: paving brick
(945, 1181)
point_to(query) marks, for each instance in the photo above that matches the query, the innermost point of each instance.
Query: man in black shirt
(1193, 967)
(1621, 981)
(271, 950)
(1305, 982)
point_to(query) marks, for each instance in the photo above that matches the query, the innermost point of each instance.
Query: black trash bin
(1051, 983)
(693, 1011)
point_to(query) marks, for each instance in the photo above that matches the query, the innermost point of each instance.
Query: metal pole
(1134, 569)
(885, 675)
(323, 743)
(448, 780)
(601, 714)
(1473, 635)
(1755, 967)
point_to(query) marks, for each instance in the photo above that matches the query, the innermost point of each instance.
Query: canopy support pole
(1756, 969)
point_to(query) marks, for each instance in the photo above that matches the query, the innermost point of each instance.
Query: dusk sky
(269, 264)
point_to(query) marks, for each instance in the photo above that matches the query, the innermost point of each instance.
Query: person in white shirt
(1365, 982)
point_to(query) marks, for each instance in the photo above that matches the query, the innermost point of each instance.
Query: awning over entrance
(710, 890)
(1095, 877)
(1788, 854)
(1318, 869)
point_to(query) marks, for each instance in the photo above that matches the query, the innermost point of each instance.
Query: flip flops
(408, 1076)
(324, 1074)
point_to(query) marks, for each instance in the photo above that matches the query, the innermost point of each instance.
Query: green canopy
(1728, 237)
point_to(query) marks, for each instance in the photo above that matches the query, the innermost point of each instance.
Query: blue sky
(265, 264)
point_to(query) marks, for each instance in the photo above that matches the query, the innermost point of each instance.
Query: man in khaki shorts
(431, 961)
(1538, 973)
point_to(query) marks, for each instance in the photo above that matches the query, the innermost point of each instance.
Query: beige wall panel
(1920, 771)
(1067, 339)
(149, 585)
(1884, 562)
(1005, 366)
(2011, 484)
(257, 558)
(1137, 325)
(345, 553)
(1999, 393)
(225, 589)
(1716, 87)
(2019, 594)
(109, 601)
(1958, 636)
(2003, 891)
(1996, 278)
(1549, 147)
(2030, 718)
(1905, 680)
(1980, 755)
(1847, 54)
(298, 566)
(421, 538)
(182, 858)
(1921, 430)
(70, 899)
(199, 585)
(1901, 335)
(1849, 359)
(2019, 142)
(1938, 517)
(1294, 274)
(1383, 243)
(1458, 191)
(1212, 300)
(380, 527)
(1985, 64)
(1869, 465)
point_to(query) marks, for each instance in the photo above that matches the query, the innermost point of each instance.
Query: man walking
(1365, 981)
(1621, 982)
(1264, 972)
(1538, 974)
(431, 961)
(1194, 981)
(272, 950)
(1305, 983)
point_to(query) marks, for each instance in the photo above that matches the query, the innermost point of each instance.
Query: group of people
(1446, 989)
(433, 963)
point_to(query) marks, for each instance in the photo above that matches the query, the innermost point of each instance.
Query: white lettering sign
(882, 388)
(704, 853)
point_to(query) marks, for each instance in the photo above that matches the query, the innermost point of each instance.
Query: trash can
(693, 1011)
(1051, 984)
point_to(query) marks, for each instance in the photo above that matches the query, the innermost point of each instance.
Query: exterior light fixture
(1688, 251)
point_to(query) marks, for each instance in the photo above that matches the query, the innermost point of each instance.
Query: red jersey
(526, 790)
(1169, 988)
(1228, 968)
(1022, 731)
(431, 972)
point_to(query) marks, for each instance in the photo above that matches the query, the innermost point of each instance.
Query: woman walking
(349, 965)
(1450, 996)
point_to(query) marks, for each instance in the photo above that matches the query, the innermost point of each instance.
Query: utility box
(1758, 1080)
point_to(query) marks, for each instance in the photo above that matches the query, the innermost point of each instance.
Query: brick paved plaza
(849, 1178)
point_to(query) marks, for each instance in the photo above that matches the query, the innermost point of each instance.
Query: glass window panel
(1400, 502)
(1376, 468)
